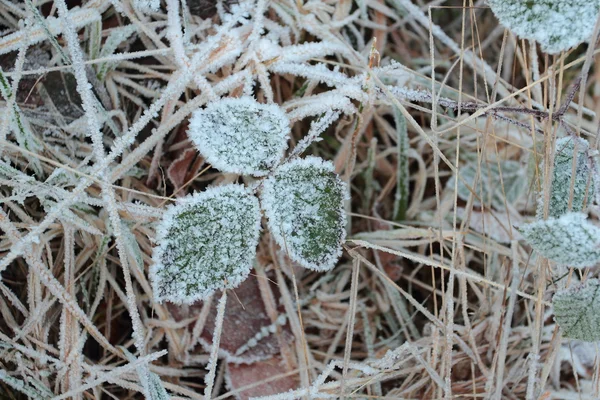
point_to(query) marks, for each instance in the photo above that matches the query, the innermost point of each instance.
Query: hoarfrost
(205, 243)
(569, 240)
(241, 135)
(304, 203)
(576, 311)
(560, 192)
(146, 6)
(556, 24)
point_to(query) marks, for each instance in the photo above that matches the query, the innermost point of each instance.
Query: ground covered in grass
(444, 126)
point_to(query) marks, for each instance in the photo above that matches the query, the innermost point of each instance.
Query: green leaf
(304, 203)
(557, 25)
(569, 240)
(207, 242)
(496, 186)
(562, 176)
(577, 311)
(157, 390)
(240, 136)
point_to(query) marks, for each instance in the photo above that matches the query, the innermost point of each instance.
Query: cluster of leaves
(567, 237)
(208, 240)
(557, 25)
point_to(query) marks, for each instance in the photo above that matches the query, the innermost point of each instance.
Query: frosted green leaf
(240, 136)
(495, 187)
(304, 203)
(555, 24)
(157, 390)
(206, 242)
(562, 175)
(577, 311)
(569, 240)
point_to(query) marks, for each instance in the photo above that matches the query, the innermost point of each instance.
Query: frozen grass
(436, 294)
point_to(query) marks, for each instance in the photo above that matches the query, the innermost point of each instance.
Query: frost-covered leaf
(205, 243)
(157, 390)
(561, 179)
(304, 201)
(556, 24)
(577, 311)
(496, 225)
(569, 240)
(495, 187)
(240, 135)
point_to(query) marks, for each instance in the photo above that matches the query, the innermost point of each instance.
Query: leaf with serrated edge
(240, 136)
(577, 311)
(206, 242)
(569, 240)
(557, 25)
(304, 203)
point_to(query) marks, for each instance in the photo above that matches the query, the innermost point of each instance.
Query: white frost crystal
(577, 311)
(240, 135)
(556, 24)
(146, 6)
(304, 202)
(569, 240)
(206, 242)
(560, 192)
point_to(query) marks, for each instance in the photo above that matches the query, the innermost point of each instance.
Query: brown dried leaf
(245, 317)
(262, 378)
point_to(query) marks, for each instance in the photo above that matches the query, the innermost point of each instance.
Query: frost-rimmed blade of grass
(576, 310)
(560, 193)
(240, 135)
(569, 240)
(402, 178)
(557, 25)
(304, 203)
(206, 242)
(147, 6)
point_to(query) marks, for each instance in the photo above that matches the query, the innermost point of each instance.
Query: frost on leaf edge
(167, 220)
(573, 218)
(566, 295)
(524, 30)
(333, 257)
(194, 133)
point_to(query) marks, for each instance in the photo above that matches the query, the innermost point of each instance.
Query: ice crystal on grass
(304, 202)
(205, 243)
(556, 24)
(146, 6)
(569, 240)
(560, 192)
(241, 135)
(576, 311)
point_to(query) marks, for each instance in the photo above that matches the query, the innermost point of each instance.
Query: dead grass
(444, 303)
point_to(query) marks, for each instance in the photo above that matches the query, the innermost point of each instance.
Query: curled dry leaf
(245, 319)
(259, 379)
